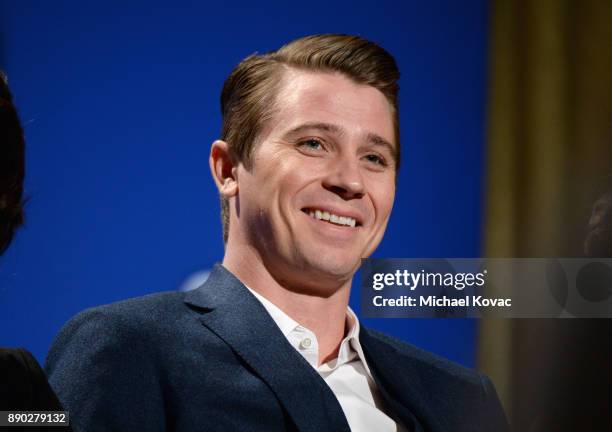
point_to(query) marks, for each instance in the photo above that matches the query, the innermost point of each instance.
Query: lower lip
(329, 229)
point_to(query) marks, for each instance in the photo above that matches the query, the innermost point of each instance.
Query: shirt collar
(352, 338)
(285, 323)
(349, 346)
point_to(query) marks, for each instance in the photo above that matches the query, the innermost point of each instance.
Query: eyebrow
(332, 128)
(327, 127)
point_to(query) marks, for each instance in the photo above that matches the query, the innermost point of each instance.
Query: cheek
(383, 198)
(275, 186)
(292, 173)
(390, 197)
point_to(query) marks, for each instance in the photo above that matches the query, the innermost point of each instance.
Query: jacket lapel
(230, 311)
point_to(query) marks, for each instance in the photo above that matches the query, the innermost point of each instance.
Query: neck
(325, 315)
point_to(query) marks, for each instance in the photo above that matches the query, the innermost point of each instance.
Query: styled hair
(248, 98)
(12, 167)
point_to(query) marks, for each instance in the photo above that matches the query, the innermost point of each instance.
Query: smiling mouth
(332, 218)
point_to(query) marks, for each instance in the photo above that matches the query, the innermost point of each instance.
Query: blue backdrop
(120, 104)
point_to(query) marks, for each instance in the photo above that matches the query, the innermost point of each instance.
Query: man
(306, 168)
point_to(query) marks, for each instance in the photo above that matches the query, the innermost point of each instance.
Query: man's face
(321, 187)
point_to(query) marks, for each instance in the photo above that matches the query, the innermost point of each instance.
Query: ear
(223, 168)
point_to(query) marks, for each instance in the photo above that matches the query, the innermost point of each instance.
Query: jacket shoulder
(137, 311)
(128, 323)
(108, 358)
(438, 382)
(434, 363)
(147, 308)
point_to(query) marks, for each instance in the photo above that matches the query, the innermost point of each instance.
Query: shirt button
(305, 344)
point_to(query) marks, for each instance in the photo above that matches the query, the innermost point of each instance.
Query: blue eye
(376, 159)
(311, 143)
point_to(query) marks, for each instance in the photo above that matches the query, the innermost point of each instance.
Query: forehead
(332, 97)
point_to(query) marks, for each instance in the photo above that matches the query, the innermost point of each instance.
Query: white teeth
(339, 220)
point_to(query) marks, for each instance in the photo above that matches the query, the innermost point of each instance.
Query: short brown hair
(249, 93)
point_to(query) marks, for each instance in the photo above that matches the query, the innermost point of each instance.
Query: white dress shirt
(348, 376)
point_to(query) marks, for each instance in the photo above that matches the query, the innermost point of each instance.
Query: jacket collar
(229, 310)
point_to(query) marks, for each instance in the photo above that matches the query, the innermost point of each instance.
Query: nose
(345, 179)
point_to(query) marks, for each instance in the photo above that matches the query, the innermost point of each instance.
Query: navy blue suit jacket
(213, 360)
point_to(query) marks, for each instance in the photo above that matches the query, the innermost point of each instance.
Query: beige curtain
(549, 153)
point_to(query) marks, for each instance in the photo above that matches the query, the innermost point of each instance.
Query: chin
(320, 274)
(318, 264)
(332, 267)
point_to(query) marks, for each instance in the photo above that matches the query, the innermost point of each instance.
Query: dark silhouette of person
(24, 386)
(576, 385)
(598, 243)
